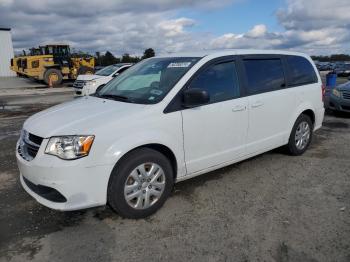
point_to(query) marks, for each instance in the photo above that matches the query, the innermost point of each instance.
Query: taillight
(323, 91)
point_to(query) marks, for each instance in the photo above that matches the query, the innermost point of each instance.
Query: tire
(295, 147)
(55, 75)
(123, 175)
(85, 70)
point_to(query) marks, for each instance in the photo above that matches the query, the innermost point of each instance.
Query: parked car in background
(165, 120)
(338, 98)
(342, 70)
(88, 84)
(325, 66)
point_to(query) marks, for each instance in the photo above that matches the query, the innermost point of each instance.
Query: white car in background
(88, 84)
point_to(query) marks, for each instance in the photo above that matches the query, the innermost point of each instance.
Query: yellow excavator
(52, 64)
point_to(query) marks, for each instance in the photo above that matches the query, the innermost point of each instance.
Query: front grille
(346, 95)
(79, 84)
(29, 145)
(35, 139)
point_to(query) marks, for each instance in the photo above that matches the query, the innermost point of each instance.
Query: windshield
(106, 71)
(148, 81)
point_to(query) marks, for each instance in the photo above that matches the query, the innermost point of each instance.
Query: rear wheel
(53, 77)
(140, 183)
(301, 135)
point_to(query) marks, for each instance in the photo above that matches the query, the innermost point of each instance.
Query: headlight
(90, 82)
(69, 147)
(336, 92)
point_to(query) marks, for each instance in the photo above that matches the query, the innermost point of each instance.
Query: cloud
(257, 31)
(175, 27)
(315, 14)
(256, 38)
(134, 25)
(116, 25)
(312, 26)
(80, 8)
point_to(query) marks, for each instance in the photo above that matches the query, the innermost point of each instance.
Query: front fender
(143, 138)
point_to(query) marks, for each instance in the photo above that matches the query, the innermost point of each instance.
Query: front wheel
(140, 183)
(301, 135)
(53, 77)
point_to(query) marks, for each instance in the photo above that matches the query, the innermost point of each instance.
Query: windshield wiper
(114, 97)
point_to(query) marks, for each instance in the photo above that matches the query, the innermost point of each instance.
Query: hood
(89, 77)
(344, 87)
(80, 116)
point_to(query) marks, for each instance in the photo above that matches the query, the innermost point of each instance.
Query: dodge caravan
(164, 120)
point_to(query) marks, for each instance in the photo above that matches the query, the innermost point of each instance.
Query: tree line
(332, 58)
(109, 59)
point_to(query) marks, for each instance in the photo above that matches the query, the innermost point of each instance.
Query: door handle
(239, 108)
(257, 104)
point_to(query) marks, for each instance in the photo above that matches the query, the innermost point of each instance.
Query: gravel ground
(272, 207)
(8, 83)
(12, 88)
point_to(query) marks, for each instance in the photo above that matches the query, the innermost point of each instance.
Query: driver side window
(219, 80)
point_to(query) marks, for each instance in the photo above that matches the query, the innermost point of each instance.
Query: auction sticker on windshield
(182, 64)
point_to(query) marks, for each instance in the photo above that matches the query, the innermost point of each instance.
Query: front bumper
(64, 185)
(79, 92)
(337, 103)
(84, 89)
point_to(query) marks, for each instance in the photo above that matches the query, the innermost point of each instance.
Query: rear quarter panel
(309, 97)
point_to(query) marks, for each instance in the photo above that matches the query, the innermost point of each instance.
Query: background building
(6, 52)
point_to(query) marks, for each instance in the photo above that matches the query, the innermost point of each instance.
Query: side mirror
(195, 97)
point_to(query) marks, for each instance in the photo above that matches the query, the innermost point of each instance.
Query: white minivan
(164, 120)
(88, 84)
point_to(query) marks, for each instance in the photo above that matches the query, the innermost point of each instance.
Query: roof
(5, 29)
(225, 52)
(123, 64)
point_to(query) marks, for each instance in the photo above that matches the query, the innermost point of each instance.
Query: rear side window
(264, 75)
(301, 72)
(219, 80)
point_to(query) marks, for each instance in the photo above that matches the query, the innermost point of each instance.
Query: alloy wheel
(144, 186)
(302, 135)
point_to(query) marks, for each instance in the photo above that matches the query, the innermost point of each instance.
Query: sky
(316, 27)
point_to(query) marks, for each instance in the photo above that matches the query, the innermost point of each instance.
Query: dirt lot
(270, 208)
